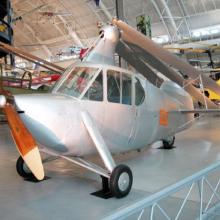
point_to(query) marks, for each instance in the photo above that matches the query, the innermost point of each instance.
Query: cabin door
(120, 111)
(146, 119)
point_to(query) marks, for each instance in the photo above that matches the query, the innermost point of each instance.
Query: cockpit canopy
(79, 80)
(88, 83)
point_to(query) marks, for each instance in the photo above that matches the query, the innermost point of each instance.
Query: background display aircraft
(98, 108)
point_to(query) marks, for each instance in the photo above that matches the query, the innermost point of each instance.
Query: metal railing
(207, 204)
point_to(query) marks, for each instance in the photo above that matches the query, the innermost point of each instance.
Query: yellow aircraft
(212, 95)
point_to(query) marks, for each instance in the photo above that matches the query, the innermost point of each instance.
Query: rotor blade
(130, 35)
(199, 97)
(124, 51)
(187, 50)
(25, 143)
(156, 64)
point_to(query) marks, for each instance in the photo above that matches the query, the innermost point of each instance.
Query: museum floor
(66, 192)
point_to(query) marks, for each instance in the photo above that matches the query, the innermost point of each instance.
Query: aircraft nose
(46, 106)
(21, 102)
(50, 118)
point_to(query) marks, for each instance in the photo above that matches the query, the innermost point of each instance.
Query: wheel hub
(123, 181)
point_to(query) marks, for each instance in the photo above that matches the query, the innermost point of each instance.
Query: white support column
(184, 16)
(161, 17)
(120, 9)
(164, 3)
(105, 10)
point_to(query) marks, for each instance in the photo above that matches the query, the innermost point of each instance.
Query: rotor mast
(103, 51)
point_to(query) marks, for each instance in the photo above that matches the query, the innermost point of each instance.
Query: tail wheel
(22, 169)
(168, 143)
(121, 181)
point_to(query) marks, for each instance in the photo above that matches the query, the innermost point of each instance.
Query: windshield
(77, 80)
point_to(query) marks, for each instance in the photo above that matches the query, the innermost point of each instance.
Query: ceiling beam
(31, 30)
(120, 9)
(46, 49)
(72, 33)
(54, 24)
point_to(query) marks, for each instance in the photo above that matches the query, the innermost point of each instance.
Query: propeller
(23, 139)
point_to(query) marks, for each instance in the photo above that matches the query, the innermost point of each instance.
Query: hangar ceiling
(46, 26)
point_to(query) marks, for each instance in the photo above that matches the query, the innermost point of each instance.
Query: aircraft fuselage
(138, 115)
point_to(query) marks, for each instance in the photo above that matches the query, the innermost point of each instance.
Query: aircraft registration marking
(163, 121)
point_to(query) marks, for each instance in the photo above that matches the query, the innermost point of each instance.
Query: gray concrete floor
(66, 194)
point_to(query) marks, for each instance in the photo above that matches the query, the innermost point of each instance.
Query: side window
(95, 91)
(113, 86)
(139, 92)
(126, 89)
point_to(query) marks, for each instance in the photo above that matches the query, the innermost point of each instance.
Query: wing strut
(98, 141)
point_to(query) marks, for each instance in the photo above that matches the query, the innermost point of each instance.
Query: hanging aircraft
(98, 108)
(197, 48)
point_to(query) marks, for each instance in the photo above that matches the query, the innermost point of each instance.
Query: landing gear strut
(120, 178)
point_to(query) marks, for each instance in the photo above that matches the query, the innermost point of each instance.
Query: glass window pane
(126, 89)
(139, 92)
(77, 81)
(95, 91)
(113, 86)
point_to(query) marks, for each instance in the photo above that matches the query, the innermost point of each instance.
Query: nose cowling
(47, 116)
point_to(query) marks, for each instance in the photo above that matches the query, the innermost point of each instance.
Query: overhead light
(214, 31)
(161, 39)
(196, 33)
(205, 32)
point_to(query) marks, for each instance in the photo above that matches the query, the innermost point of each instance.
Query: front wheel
(22, 169)
(121, 181)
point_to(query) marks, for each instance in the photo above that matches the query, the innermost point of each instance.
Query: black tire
(168, 144)
(21, 169)
(196, 115)
(118, 187)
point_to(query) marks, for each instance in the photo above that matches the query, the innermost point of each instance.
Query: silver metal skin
(72, 121)
(55, 119)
